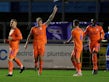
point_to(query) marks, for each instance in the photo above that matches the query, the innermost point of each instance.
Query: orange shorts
(77, 53)
(95, 46)
(38, 49)
(12, 53)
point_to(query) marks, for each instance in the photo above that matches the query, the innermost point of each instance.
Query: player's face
(13, 24)
(40, 23)
(93, 22)
(74, 24)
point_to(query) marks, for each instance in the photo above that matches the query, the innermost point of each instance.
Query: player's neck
(13, 27)
(76, 26)
(93, 25)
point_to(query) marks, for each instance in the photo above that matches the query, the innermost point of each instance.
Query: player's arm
(6, 41)
(102, 33)
(69, 40)
(85, 32)
(28, 39)
(51, 16)
(106, 38)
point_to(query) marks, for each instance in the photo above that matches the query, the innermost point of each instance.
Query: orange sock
(94, 60)
(18, 62)
(79, 67)
(10, 68)
(75, 65)
(40, 66)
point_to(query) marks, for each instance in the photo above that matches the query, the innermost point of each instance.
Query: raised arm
(51, 16)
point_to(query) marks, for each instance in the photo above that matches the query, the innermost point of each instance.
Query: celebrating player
(96, 34)
(77, 38)
(14, 39)
(39, 39)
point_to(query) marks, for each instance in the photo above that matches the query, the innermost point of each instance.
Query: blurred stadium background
(57, 55)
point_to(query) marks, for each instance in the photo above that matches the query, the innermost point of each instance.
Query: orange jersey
(95, 33)
(39, 34)
(77, 35)
(16, 37)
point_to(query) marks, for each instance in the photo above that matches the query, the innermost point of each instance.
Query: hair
(93, 20)
(14, 20)
(76, 22)
(39, 19)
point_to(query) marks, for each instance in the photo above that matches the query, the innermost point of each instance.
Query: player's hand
(25, 46)
(55, 8)
(100, 40)
(10, 38)
(66, 42)
(5, 41)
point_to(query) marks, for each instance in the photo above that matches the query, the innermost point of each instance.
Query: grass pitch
(54, 76)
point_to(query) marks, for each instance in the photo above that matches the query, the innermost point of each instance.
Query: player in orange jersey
(14, 39)
(39, 39)
(96, 34)
(77, 38)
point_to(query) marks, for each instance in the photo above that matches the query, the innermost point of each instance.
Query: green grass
(53, 76)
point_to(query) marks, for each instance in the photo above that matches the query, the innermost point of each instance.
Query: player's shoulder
(44, 25)
(81, 30)
(17, 29)
(75, 30)
(33, 27)
(89, 26)
(99, 26)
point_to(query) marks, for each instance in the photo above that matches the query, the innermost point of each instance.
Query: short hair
(14, 20)
(93, 20)
(76, 22)
(39, 19)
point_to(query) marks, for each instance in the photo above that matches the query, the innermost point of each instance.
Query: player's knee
(72, 58)
(9, 59)
(94, 52)
(40, 57)
(78, 60)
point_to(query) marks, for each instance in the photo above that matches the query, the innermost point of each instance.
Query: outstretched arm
(51, 16)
